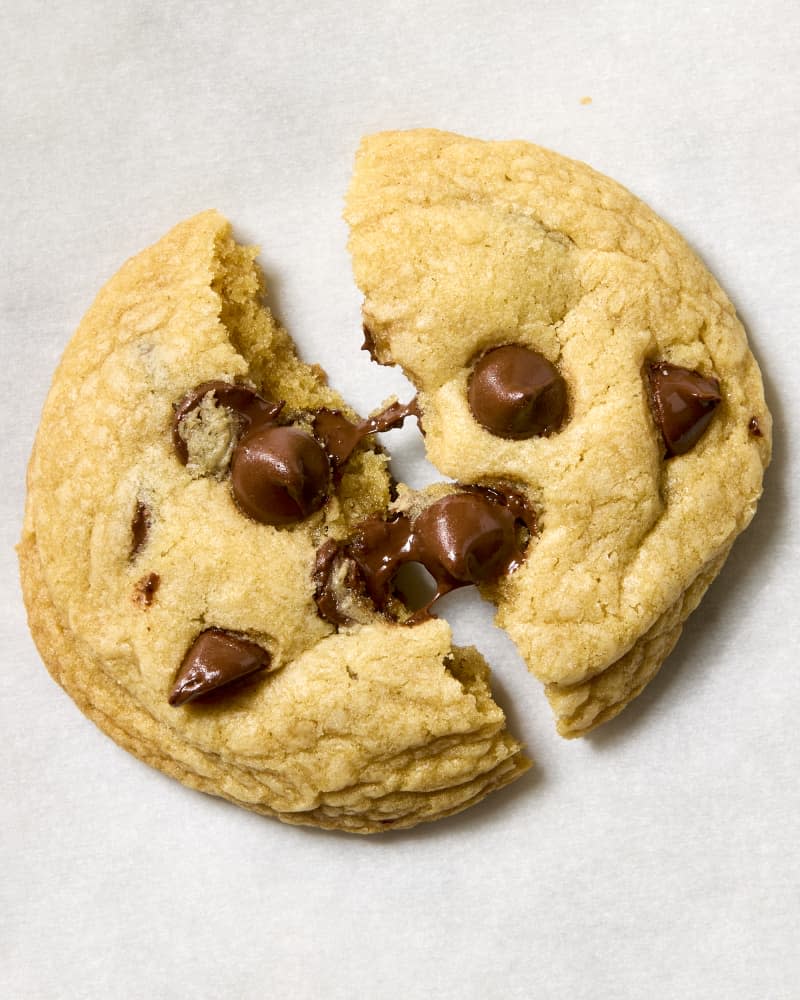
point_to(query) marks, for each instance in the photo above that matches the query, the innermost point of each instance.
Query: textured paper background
(656, 859)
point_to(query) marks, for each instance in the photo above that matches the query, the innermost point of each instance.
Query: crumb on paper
(586, 100)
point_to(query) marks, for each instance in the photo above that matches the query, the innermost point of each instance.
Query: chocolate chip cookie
(568, 347)
(189, 479)
(214, 549)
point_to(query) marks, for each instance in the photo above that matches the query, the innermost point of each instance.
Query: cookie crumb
(586, 100)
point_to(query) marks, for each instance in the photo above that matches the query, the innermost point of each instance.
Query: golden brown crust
(580, 708)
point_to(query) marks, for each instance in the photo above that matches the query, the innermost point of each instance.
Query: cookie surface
(461, 247)
(132, 551)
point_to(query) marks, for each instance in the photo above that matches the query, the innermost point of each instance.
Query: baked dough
(460, 246)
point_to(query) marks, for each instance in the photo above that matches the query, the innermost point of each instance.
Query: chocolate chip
(140, 528)
(466, 538)
(214, 659)
(366, 565)
(145, 589)
(507, 496)
(391, 416)
(755, 428)
(341, 436)
(517, 393)
(683, 402)
(252, 409)
(472, 536)
(279, 475)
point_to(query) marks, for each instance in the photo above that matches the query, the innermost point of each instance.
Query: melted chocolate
(214, 659)
(140, 528)
(517, 393)
(279, 475)
(517, 503)
(379, 549)
(341, 436)
(463, 538)
(328, 555)
(251, 409)
(683, 403)
(338, 435)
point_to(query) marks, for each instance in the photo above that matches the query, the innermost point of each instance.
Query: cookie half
(566, 342)
(170, 591)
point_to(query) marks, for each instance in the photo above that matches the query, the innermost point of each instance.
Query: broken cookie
(187, 468)
(213, 548)
(566, 341)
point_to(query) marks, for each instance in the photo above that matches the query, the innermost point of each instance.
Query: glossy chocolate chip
(754, 427)
(214, 659)
(279, 475)
(507, 496)
(683, 403)
(466, 538)
(517, 393)
(339, 435)
(252, 409)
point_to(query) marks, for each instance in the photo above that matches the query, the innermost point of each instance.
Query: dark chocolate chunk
(279, 475)
(214, 659)
(140, 528)
(145, 589)
(253, 410)
(683, 403)
(341, 436)
(755, 428)
(517, 393)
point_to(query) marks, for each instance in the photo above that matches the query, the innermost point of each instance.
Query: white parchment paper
(656, 859)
